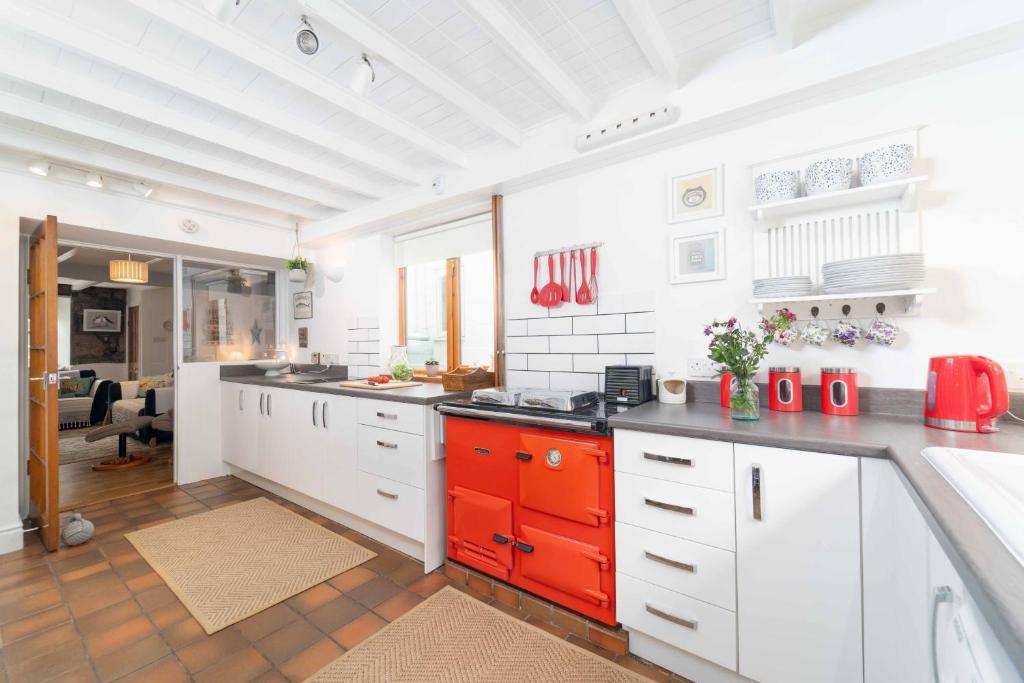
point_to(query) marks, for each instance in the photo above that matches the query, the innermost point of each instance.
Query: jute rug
(73, 447)
(453, 638)
(232, 562)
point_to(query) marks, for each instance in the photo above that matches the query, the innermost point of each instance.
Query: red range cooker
(531, 494)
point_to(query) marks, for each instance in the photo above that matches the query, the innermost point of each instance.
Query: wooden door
(798, 570)
(43, 384)
(133, 342)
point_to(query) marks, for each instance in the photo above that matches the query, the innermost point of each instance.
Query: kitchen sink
(992, 483)
(313, 380)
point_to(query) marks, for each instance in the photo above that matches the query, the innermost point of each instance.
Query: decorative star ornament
(256, 331)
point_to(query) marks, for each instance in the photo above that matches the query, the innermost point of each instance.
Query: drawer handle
(685, 462)
(686, 623)
(482, 451)
(692, 568)
(385, 444)
(387, 416)
(392, 496)
(682, 509)
(755, 491)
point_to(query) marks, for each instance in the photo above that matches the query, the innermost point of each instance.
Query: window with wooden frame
(446, 294)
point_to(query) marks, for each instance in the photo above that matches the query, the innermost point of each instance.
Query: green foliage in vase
(401, 372)
(740, 350)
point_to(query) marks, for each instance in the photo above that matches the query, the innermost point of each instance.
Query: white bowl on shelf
(886, 163)
(272, 368)
(828, 175)
(776, 186)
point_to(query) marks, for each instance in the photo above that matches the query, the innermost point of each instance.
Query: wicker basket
(467, 378)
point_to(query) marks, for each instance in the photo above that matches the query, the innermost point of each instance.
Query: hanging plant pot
(296, 275)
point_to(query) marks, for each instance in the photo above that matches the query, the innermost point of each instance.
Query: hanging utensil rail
(563, 250)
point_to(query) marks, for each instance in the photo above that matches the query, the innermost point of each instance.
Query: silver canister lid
(840, 371)
(782, 368)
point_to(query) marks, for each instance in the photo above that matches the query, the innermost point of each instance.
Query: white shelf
(904, 189)
(911, 297)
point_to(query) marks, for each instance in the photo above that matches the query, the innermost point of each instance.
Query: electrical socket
(700, 367)
(1015, 375)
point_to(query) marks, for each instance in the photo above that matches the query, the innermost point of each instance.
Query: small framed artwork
(698, 256)
(302, 305)
(694, 196)
(99, 320)
(303, 337)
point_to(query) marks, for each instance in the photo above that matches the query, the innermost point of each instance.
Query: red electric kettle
(965, 394)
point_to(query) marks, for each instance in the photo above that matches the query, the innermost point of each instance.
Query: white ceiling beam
(32, 71)
(643, 23)
(67, 254)
(53, 26)
(64, 153)
(379, 43)
(784, 19)
(511, 37)
(197, 22)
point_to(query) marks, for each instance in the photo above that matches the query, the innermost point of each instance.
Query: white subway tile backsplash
(574, 344)
(549, 326)
(639, 359)
(352, 346)
(520, 379)
(547, 361)
(571, 309)
(368, 321)
(358, 335)
(369, 347)
(373, 359)
(626, 343)
(358, 359)
(362, 371)
(515, 328)
(526, 345)
(351, 323)
(574, 381)
(629, 302)
(373, 334)
(515, 361)
(596, 362)
(599, 324)
(640, 322)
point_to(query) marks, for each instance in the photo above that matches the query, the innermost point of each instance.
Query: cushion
(154, 382)
(75, 386)
(127, 409)
(129, 390)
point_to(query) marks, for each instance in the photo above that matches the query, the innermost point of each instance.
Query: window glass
(426, 319)
(229, 313)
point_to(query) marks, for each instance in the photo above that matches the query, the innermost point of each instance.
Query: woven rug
(74, 448)
(452, 637)
(232, 562)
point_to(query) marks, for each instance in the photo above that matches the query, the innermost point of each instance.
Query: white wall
(972, 221)
(27, 196)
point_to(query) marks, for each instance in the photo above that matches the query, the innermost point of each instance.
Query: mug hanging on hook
(882, 331)
(847, 331)
(814, 333)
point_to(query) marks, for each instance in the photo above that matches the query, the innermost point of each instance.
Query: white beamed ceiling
(161, 91)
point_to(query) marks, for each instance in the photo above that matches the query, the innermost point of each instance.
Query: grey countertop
(424, 394)
(993, 575)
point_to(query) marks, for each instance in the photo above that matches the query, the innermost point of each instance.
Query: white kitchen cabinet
(339, 426)
(239, 413)
(798, 566)
(273, 434)
(301, 457)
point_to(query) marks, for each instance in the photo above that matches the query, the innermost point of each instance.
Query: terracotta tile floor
(98, 612)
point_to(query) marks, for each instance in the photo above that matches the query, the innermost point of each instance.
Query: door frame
(132, 346)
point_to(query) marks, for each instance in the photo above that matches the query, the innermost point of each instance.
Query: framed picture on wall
(99, 320)
(302, 305)
(697, 256)
(693, 196)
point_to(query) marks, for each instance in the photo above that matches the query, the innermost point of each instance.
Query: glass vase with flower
(739, 351)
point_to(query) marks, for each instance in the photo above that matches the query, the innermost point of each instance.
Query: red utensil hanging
(551, 294)
(535, 294)
(565, 283)
(583, 294)
(593, 275)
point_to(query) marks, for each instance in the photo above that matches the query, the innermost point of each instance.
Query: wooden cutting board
(379, 387)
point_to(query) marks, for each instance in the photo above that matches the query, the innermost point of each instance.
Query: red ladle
(535, 294)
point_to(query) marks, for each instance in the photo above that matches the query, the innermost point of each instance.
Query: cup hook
(814, 312)
(880, 307)
(846, 309)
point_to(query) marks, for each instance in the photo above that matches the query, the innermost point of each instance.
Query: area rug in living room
(454, 638)
(232, 562)
(73, 447)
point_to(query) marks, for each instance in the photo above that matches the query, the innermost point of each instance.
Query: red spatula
(535, 294)
(551, 294)
(566, 296)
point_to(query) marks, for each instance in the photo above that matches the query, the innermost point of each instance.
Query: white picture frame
(302, 305)
(697, 256)
(101, 320)
(697, 195)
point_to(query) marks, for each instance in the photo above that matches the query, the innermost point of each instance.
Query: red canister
(724, 387)
(839, 391)
(785, 392)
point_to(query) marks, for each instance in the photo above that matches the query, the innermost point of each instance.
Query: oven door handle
(525, 457)
(524, 547)
(498, 538)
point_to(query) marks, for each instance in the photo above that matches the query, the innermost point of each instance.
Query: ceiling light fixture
(363, 77)
(142, 189)
(305, 38)
(220, 8)
(40, 167)
(94, 180)
(129, 272)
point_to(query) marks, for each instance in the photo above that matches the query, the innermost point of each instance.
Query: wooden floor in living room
(81, 486)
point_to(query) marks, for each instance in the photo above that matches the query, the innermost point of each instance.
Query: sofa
(150, 396)
(76, 408)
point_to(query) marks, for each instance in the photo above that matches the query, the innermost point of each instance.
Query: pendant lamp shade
(129, 272)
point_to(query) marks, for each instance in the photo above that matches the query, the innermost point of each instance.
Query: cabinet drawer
(392, 505)
(688, 461)
(697, 627)
(694, 569)
(395, 455)
(690, 512)
(402, 417)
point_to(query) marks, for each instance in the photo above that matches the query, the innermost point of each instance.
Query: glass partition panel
(229, 313)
